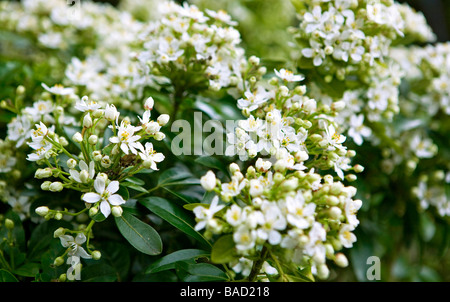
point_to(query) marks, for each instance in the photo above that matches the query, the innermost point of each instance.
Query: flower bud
(322, 271)
(149, 103)
(9, 224)
(45, 186)
(58, 261)
(234, 168)
(56, 186)
(117, 211)
(254, 60)
(77, 137)
(159, 136)
(43, 173)
(208, 181)
(71, 163)
(93, 212)
(84, 176)
(97, 155)
(111, 113)
(42, 211)
(358, 168)
(96, 255)
(62, 278)
(105, 161)
(59, 232)
(87, 121)
(341, 260)
(93, 139)
(58, 216)
(163, 119)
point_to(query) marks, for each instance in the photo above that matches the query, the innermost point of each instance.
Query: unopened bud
(56, 186)
(42, 211)
(9, 224)
(341, 260)
(96, 255)
(77, 137)
(43, 173)
(163, 119)
(87, 121)
(59, 232)
(117, 211)
(149, 103)
(58, 261)
(71, 163)
(93, 139)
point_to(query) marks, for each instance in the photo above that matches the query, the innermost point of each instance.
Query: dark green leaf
(201, 272)
(139, 234)
(212, 162)
(6, 276)
(174, 215)
(134, 187)
(169, 261)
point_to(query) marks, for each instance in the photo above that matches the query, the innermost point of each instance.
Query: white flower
(346, 236)
(87, 105)
(40, 149)
(273, 222)
(58, 89)
(299, 214)
(86, 172)
(74, 245)
(357, 129)
(235, 215)
(41, 109)
(256, 188)
(126, 139)
(288, 75)
(205, 215)
(208, 181)
(150, 156)
(351, 208)
(40, 132)
(333, 138)
(105, 195)
(254, 99)
(244, 238)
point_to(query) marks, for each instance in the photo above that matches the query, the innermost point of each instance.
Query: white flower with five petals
(105, 195)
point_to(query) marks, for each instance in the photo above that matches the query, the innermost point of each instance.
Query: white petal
(83, 165)
(80, 239)
(116, 200)
(82, 253)
(113, 186)
(105, 208)
(91, 197)
(114, 140)
(65, 239)
(99, 185)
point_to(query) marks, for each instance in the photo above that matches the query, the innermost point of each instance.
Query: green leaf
(6, 276)
(427, 227)
(212, 162)
(100, 272)
(223, 250)
(169, 261)
(134, 186)
(174, 215)
(201, 272)
(28, 270)
(139, 234)
(184, 198)
(172, 175)
(135, 180)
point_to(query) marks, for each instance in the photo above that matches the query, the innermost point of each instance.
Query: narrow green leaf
(223, 250)
(135, 180)
(134, 186)
(174, 215)
(172, 175)
(212, 162)
(169, 261)
(201, 272)
(139, 234)
(6, 276)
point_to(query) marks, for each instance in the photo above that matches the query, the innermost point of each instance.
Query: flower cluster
(192, 49)
(110, 150)
(281, 205)
(301, 217)
(348, 44)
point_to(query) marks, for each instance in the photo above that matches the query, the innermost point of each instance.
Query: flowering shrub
(309, 148)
